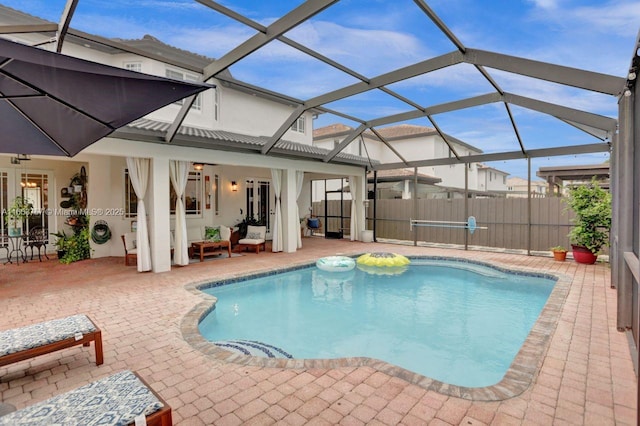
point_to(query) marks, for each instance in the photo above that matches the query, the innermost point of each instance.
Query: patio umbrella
(53, 104)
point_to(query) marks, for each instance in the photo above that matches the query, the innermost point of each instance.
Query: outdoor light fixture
(198, 166)
(234, 186)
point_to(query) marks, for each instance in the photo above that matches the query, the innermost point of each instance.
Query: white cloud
(545, 4)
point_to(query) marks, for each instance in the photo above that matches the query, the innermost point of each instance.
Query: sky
(373, 37)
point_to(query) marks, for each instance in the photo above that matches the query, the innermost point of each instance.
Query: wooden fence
(505, 218)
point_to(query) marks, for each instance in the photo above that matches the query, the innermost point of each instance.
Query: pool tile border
(516, 380)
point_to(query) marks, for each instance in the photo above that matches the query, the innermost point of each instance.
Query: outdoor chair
(37, 238)
(130, 250)
(42, 338)
(255, 239)
(120, 399)
(313, 225)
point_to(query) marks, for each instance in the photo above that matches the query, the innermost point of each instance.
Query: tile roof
(404, 130)
(220, 139)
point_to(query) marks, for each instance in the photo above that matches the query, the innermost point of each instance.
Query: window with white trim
(179, 75)
(133, 66)
(298, 125)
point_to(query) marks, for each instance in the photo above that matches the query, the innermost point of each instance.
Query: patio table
(209, 248)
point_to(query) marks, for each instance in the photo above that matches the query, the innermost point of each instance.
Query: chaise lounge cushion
(114, 400)
(36, 335)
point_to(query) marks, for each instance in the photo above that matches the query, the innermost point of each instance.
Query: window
(130, 198)
(133, 66)
(192, 195)
(298, 125)
(178, 75)
(504, 180)
(34, 186)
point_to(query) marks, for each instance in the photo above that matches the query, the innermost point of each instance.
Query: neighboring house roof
(148, 130)
(331, 130)
(485, 167)
(399, 175)
(403, 131)
(390, 133)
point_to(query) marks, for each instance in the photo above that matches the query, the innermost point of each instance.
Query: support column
(99, 171)
(159, 215)
(623, 241)
(290, 220)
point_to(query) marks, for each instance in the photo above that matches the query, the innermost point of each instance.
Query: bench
(120, 399)
(27, 342)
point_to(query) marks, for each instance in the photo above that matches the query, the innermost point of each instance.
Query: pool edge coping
(517, 379)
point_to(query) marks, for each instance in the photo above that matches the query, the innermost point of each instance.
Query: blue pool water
(458, 322)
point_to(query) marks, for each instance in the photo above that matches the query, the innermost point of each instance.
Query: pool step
(252, 348)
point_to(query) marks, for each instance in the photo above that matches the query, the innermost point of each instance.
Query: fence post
(466, 203)
(528, 206)
(415, 204)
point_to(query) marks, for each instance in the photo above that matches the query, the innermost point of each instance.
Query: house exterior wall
(490, 179)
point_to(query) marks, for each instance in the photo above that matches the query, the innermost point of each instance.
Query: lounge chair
(255, 239)
(120, 399)
(27, 342)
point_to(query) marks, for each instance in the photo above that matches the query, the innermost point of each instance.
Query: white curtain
(356, 226)
(299, 181)
(139, 176)
(276, 243)
(179, 174)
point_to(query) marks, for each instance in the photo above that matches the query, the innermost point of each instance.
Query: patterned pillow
(254, 236)
(212, 233)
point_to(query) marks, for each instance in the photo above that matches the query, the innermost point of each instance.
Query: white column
(290, 220)
(99, 172)
(159, 216)
(361, 187)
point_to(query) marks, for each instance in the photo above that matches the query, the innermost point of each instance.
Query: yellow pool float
(383, 263)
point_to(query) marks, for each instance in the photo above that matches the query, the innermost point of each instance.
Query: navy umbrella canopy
(53, 104)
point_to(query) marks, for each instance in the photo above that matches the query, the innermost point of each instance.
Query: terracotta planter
(560, 256)
(584, 255)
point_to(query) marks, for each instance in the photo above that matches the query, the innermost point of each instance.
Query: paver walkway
(586, 377)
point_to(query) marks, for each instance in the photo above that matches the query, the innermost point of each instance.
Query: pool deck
(586, 374)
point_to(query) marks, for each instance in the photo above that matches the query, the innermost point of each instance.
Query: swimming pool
(460, 323)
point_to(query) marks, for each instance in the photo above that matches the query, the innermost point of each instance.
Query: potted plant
(19, 210)
(559, 253)
(61, 243)
(592, 206)
(242, 225)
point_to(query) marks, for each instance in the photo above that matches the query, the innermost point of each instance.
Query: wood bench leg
(98, 348)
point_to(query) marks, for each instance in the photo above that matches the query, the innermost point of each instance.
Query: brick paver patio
(586, 376)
